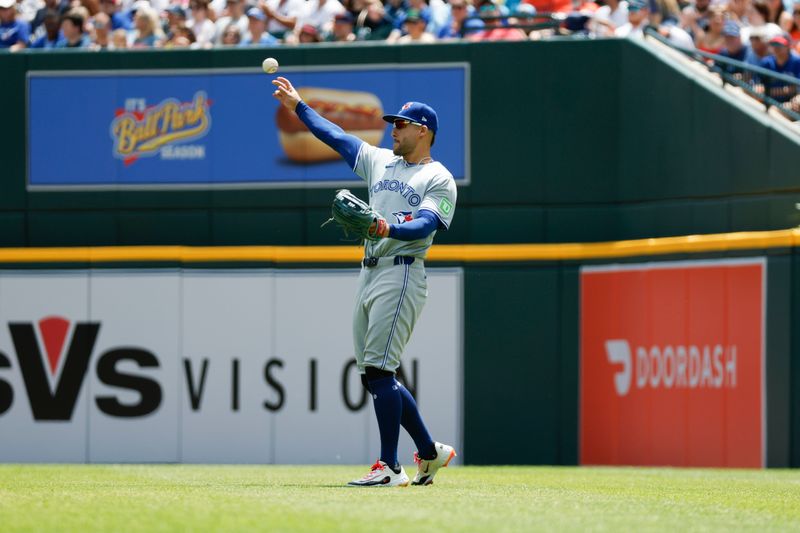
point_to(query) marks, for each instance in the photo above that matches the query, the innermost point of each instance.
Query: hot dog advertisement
(223, 129)
(356, 112)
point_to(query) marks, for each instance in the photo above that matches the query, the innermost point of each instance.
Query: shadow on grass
(301, 485)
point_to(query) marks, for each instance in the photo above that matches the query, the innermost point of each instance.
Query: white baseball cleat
(380, 475)
(427, 468)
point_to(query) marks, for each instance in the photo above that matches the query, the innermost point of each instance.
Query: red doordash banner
(672, 364)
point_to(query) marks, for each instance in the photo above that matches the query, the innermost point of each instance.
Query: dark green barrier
(522, 362)
(794, 393)
(571, 141)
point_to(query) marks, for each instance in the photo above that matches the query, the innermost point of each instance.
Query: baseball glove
(357, 217)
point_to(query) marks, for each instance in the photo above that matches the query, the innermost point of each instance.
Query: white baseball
(270, 65)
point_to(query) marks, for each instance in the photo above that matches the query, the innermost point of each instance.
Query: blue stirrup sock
(395, 406)
(388, 404)
(411, 420)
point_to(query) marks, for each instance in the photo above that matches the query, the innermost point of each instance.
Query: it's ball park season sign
(221, 128)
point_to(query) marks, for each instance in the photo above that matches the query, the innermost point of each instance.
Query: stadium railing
(772, 89)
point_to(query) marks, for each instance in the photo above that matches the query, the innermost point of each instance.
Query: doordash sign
(672, 364)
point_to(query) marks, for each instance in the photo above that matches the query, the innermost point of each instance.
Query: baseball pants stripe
(396, 315)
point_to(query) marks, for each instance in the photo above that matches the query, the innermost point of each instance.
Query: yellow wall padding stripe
(467, 253)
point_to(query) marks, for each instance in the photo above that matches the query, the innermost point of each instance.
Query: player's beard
(403, 147)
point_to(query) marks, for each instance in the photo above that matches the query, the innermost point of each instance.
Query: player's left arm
(435, 212)
(419, 228)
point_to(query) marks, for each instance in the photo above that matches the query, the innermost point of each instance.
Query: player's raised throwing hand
(285, 93)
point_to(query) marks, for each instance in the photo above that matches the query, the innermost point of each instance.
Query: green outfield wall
(572, 141)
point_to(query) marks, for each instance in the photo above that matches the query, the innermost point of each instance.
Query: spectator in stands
(777, 14)
(73, 29)
(414, 28)
(200, 23)
(422, 7)
(638, 13)
(118, 18)
(180, 36)
(794, 27)
(664, 12)
(92, 8)
(373, 24)
(738, 10)
(459, 22)
(609, 17)
(36, 28)
(758, 13)
(696, 16)
(236, 15)
(759, 47)
(578, 19)
(676, 35)
(50, 30)
(525, 15)
(119, 39)
(231, 35)
(282, 15)
(424, 12)
(734, 49)
(494, 29)
(257, 34)
(308, 35)
(396, 9)
(758, 16)
(26, 10)
(148, 32)
(13, 32)
(320, 14)
(176, 15)
(217, 9)
(100, 31)
(783, 59)
(439, 13)
(342, 29)
(711, 39)
(131, 13)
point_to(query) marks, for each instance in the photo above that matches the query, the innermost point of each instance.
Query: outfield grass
(285, 498)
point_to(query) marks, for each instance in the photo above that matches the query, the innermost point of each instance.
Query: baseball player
(415, 196)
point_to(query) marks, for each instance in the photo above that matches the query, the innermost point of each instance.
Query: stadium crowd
(759, 32)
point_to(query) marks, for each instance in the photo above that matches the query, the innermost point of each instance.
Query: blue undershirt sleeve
(419, 228)
(326, 131)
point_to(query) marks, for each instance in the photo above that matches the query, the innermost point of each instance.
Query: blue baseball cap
(176, 10)
(416, 112)
(636, 5)
(731, 29)
(256, 13)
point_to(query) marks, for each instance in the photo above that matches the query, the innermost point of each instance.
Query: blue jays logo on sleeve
(403, 216)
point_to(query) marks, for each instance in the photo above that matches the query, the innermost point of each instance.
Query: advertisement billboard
(207, 366)
(222, 128)
(672, 359)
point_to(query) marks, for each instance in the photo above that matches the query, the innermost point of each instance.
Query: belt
(371, 262)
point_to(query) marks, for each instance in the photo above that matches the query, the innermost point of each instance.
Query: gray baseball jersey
(397, 190)
(390, 296)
